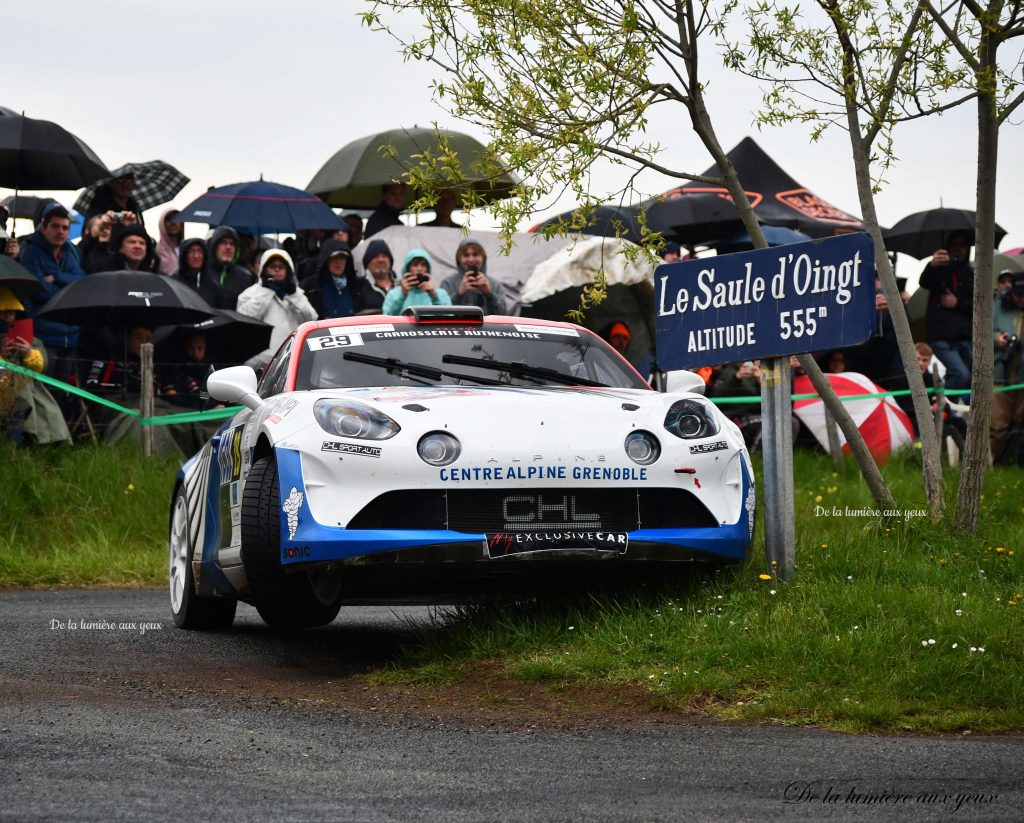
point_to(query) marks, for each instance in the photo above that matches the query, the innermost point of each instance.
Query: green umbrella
(352, 178)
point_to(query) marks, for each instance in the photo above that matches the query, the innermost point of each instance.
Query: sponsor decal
(813, 206)
(703, 448)
(293, 552)
(350, 448)
(505, 544)
(281, 409)
(535, 511)
(555, 330)
(750, 504)
(363, 329)
(233, 492)
(472, 333)
(229, 455)
(291, 508)
(478, 473)
(334, 341)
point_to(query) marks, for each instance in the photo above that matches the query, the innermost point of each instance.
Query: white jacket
(284, 314)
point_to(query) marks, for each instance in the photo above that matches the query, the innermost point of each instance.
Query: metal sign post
(777, 449)
(768, 304)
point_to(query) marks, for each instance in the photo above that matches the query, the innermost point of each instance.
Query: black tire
(190, 611)
(282, 600)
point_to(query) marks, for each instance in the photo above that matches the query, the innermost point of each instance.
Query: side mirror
(676, 381)
(234, 385)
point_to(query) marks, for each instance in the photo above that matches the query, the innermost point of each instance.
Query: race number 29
(801, 322)
(334, 341)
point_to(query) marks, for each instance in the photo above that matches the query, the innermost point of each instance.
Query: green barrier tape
(67, 387)
(221, 414)
(162, 420)
(191, 417)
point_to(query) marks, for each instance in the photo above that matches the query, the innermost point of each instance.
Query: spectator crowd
(313, 275)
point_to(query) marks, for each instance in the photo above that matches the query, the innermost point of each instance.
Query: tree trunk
(976, 449)
(930, 456)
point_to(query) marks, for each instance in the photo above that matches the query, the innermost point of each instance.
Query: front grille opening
(498, 510)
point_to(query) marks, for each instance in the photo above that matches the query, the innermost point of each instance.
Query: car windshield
(450, 355)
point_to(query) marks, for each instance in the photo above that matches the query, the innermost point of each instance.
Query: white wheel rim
(178, 554)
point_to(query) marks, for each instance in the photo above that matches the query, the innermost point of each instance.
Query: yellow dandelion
(824, 545)
(1000, 550)
(1011, 602)
(764, 577)
(818, 498)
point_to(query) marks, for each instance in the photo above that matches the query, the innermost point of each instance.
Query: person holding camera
(1008, 330)
(470, 286)
(949, 279)
(415, 286)
(116, 196)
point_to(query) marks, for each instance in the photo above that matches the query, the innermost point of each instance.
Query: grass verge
(84, 516)
(887, 625)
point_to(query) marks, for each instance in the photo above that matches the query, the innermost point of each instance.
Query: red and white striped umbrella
(884, 425)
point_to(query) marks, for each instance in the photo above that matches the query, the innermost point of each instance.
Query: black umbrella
(231, 337)
(921, 233)
(777, 198)
(124, 298)
(28, 207)
(694, 219)
(38, 154)
(605, 221)
(18, 279)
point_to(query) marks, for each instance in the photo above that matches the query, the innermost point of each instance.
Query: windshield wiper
(393, 364)
(522, 369)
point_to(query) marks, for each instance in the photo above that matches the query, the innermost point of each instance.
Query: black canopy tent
(777, 199)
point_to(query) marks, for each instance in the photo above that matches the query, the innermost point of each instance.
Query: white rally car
(443, 452)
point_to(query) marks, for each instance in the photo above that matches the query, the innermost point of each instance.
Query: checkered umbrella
(156, 182)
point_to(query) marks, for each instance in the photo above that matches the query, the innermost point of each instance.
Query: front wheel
(191, 611)
(297, 600)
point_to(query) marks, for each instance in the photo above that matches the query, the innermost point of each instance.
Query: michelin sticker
(291, 508)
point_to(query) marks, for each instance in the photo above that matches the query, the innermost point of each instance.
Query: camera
(118, 216)
(422, 278)
(1006, 355)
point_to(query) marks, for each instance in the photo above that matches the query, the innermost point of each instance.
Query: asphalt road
(107, 722)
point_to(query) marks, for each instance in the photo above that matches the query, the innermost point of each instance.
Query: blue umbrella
(260, 207)
(775, 235)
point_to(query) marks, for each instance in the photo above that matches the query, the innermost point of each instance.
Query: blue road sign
(765, 303)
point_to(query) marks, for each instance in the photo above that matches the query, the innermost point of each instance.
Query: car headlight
(351, 419)
(642, 447)
(690, 420)
(439, 448)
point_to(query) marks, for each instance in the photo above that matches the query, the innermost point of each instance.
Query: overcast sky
(228, 90)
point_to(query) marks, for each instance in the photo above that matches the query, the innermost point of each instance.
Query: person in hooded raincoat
(416, 286)
(194, 273)
(334, 290)
(223, 253)
(171, 236)
(276, 299)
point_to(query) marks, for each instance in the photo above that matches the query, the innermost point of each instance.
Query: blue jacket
(37, 257)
